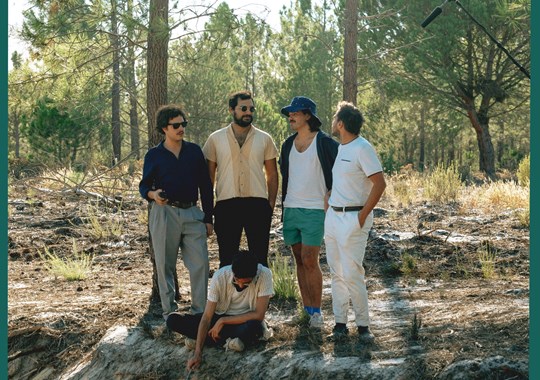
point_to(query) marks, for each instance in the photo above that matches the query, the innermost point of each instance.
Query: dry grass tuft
(405, 187)
(496, 196)
(524, 171)
(487, 255)
(104, 226)
(71, 268)
(443, 184)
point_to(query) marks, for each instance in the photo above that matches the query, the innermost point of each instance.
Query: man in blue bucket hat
(306, 162)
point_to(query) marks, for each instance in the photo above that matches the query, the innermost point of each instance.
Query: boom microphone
(437, 11)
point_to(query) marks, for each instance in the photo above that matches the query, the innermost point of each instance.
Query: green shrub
(284, 278)
(408, 264)
(443, 184)
(524, 171)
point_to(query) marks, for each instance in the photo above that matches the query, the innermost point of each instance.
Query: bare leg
(309, 273)
(300, 273)
(313, 274)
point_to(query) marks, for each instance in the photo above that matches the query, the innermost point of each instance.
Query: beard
(244, 122)
(239, 289)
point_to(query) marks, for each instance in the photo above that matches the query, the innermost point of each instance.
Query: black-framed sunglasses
(245, 108)
(177, 125)
(244, 284)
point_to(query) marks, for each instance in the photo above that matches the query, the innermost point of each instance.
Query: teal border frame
(534, 281)
(3, 189)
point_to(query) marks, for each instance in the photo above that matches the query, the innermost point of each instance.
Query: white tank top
(306, 187)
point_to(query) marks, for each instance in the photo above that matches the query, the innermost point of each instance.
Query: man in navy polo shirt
(174, 173)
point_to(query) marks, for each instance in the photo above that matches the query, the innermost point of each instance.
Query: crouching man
(238, 298)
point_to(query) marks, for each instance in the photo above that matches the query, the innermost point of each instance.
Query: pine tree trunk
(132, 84)
(115, 90)
(480, 123)
(350, 54)
(422, 155)
(156, 94)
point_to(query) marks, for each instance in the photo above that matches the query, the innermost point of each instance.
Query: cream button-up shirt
(240, 170)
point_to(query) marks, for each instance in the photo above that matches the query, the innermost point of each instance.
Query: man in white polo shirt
(238, 298)
(242, 165)
(358, 185)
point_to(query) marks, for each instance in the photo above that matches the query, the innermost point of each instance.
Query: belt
(180, 204)
(347, 208)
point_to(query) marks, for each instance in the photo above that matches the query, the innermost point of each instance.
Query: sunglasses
(245, 108)
(177, 125)
(244, 284)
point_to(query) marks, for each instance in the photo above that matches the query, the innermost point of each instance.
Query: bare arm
(379, 184)
(196, 360)
(270, 166)
(212, 166)
(258, 314)
(326, 198)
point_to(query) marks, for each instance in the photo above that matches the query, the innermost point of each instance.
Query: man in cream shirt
(242, 165)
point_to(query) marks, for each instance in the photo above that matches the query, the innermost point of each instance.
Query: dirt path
(416, 266)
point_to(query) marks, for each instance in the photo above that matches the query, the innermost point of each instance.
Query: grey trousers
(172, 228)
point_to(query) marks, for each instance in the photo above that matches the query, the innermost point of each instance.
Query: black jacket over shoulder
(327, 149)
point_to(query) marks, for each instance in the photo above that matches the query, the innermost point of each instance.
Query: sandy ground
(423, 262)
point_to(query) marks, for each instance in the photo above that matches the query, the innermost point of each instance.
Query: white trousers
(345, 248)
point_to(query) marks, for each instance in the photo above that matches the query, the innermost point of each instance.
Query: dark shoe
(340, 330)
(365, 333)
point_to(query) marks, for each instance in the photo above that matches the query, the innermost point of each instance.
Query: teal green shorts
(303, 225)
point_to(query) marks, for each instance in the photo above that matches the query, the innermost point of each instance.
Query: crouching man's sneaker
(190, 343)
(234, 344)
(365, 333)
(316, 321)
(267, 331)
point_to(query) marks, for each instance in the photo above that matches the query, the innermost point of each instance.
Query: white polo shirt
(355, 162)
(223, 292)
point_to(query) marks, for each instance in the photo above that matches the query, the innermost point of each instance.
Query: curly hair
(165, 113)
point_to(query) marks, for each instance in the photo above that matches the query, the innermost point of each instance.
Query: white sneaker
(234, 344)
(267, 331)
(190, 343)
(316, 321)
(299, 319)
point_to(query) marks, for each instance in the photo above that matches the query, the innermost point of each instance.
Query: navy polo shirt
(181, 178)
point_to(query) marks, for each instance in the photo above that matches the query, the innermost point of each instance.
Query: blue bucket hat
(301, 103)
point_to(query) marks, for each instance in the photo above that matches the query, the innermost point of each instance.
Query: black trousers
(232, 216)
(188, 325)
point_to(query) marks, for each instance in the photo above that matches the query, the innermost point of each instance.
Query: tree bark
(156, 94)
(16, 133)
(157, 56)
(480, 123)
(350, 54)
(115, 90)
(422, 155)
(132, 88)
